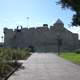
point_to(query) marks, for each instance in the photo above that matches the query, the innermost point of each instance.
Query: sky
(15, 12)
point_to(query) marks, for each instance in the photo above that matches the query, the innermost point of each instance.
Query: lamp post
(59, 44)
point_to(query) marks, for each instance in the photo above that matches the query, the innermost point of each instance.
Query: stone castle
(42, 39)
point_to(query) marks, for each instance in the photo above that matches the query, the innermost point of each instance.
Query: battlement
(42, 38)
(44, 28)
(31, 29)
(38, 29)
(6, 30)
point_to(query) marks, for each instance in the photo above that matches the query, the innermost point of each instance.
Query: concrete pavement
(47, 66)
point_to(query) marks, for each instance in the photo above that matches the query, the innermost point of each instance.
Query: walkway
(42, 66)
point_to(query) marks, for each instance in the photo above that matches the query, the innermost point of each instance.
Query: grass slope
(71, 56)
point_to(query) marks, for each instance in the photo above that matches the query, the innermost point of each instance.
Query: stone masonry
(43, 39)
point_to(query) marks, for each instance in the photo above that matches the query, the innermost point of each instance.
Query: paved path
(48, 66)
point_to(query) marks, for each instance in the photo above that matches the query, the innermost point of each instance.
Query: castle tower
(59, 23)
(57, 26)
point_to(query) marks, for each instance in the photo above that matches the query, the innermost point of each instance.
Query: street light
(59, 43)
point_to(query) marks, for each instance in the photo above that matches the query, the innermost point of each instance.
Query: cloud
(75, 30)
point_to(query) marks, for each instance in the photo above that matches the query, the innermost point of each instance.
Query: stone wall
(43, 39)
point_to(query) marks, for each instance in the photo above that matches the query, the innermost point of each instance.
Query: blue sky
(15, 12)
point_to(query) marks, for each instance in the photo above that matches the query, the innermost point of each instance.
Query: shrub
(77, 51)
(7, 58)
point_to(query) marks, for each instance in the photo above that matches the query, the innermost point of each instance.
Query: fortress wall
(43, 39)
(76, 41)
(8, 33)
(28, 37)
(24, 30)
(70, 40)
(39, 35)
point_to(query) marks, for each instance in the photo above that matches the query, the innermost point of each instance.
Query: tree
(73, 5)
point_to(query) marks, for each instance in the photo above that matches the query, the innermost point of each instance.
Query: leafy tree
(73, 5)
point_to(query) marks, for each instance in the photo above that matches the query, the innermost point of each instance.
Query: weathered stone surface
(47, 66)
(43, 39)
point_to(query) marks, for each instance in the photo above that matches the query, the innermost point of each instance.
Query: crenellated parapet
(6, 30)
(43, 38)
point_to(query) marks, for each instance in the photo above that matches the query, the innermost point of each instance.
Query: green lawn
(71, 56)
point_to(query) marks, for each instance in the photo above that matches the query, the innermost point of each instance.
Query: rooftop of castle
(59, 22)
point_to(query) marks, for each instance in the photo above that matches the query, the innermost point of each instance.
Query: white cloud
(75, 30)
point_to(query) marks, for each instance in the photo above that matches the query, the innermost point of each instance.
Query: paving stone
(47, 66)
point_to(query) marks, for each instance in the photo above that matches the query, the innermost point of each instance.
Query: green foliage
(13, 54)
(4, 69)
(73, 5)
(71, 56)
(8, 55)
(77, 51)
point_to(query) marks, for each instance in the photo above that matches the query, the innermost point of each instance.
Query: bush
(77, 51)
(13, 54)
(7, 58)
(4, 69)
